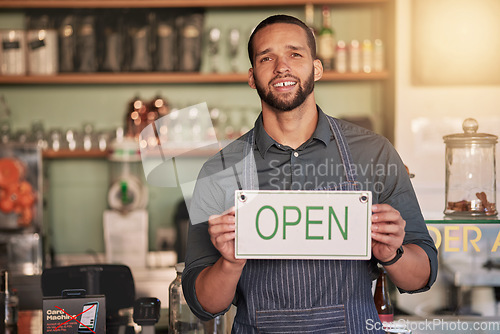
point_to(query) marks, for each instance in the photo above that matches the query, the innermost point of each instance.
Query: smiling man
(284, 91)
(292, 136)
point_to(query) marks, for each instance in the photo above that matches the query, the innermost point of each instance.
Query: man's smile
(284, 84)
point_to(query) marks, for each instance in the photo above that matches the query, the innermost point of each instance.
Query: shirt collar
(263, 141)
(323, 130)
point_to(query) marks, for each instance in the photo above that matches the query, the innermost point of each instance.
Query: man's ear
(318, 69)
(251, 79)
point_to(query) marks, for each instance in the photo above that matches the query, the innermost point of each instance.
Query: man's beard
(286, 104)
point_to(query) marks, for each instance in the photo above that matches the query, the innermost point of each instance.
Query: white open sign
(275, 224)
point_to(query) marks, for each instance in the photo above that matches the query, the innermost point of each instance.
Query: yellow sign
(464, 238)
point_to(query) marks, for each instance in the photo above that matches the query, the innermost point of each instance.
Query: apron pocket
(330, 319)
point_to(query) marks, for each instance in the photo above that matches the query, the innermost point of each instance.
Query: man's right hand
(216, 284)
(222, 234)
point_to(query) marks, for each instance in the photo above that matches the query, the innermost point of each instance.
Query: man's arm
(216, 284)
(412, 270)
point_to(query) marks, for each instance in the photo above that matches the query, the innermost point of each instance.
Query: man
(291, 135)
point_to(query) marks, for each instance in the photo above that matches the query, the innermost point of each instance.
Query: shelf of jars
(170, 3)
(74, 154)
(166, 78)
(98, 154)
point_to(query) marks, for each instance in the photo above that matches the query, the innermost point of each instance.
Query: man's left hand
(388, 231)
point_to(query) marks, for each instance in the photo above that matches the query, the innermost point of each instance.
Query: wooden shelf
(96, 154)
(169, 3)
(348, 76)
(76, 154)
(164, 78)
(191, 152)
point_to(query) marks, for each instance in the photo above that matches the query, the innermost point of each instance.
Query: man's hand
(388, 231)
(222, 233)
(412, 270)
(216, 284)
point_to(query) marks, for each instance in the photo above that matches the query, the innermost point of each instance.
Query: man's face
(283, 71)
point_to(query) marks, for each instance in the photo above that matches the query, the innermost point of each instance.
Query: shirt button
(295, 154)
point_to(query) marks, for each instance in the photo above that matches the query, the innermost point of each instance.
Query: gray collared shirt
(316, 164)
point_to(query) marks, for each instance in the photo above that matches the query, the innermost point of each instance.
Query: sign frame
(338, 251)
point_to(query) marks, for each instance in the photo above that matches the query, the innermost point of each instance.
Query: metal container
(470, 172)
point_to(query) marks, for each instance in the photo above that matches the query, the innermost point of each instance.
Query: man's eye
(295, 54)
(264, 59)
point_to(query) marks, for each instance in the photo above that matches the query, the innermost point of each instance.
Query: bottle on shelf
(190, 46)
(326, 41)
(378, 55)
(382, 298)
(309, 11)
(367, 56)
(341, 57)
(234, 39)
(354, 56)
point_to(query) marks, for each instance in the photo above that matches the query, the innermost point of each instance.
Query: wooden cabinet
(169, 77)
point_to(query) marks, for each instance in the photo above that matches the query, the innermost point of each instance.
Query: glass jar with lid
(470, 172)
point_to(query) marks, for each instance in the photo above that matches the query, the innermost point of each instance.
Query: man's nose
(281, 65)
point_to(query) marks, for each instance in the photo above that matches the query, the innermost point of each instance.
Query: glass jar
(470, 172)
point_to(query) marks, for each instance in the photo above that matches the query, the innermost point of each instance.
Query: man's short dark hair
(281, 18)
